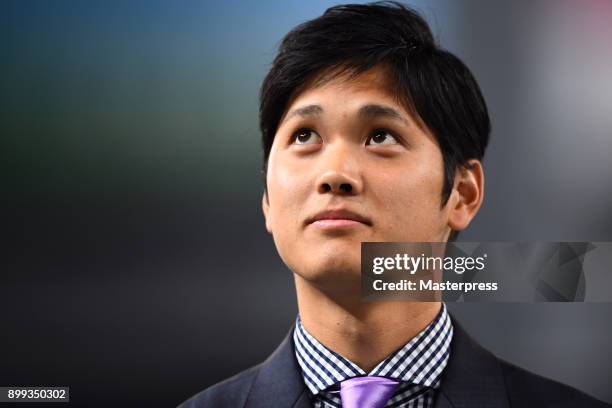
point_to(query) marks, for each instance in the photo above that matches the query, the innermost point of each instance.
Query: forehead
(374, 83)
(343, 92)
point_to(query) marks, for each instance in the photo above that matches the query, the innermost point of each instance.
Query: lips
(338, 218)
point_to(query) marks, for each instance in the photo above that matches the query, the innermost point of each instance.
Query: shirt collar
(420, 361)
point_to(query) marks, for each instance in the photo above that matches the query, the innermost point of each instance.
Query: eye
(306, 136)
(381, 137)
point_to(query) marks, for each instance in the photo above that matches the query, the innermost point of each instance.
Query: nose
(340, 172)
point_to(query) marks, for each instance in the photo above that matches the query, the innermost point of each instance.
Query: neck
(364, 333)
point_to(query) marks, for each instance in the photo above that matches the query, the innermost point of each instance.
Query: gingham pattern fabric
(417, 366)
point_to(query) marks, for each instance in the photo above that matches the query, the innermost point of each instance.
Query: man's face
(349, 164)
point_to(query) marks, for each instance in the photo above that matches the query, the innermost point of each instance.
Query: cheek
(288, 187)
(409, 199)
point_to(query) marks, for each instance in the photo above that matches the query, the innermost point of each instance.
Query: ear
(265, 205)
(467, 195)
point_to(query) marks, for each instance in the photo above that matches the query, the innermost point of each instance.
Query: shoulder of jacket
(527, 389)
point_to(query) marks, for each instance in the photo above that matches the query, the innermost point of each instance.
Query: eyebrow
(305, 111)
(370, 111)
(379, 111)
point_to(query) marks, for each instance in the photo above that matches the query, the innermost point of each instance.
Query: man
(372, 133)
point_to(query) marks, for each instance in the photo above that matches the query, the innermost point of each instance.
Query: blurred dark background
(135, 258)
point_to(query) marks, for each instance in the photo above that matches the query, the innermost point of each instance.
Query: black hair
(432, 83)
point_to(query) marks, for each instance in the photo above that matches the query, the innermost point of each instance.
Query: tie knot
(367, 392)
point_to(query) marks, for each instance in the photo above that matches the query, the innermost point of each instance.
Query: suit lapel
(303, 401)
(473, 376)
(279, 381)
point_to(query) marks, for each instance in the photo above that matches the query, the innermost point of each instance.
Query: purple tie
(366, 392)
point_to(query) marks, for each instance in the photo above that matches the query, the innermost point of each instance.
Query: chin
(333, 272)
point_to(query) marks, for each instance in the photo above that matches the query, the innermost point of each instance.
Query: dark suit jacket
(473, 378)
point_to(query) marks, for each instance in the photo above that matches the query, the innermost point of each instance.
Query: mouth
(338, 219)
